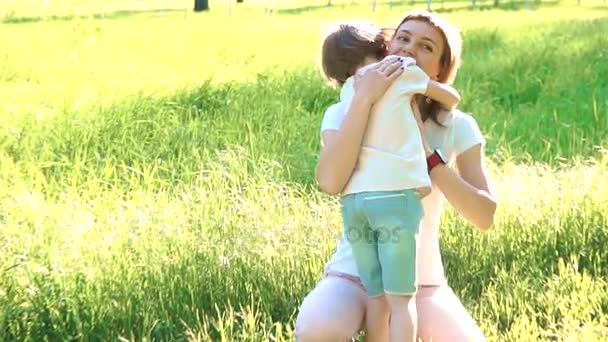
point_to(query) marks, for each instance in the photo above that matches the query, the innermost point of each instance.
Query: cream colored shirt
(392, 155)
(460, 134)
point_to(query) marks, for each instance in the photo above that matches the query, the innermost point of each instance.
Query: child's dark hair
(346, 48)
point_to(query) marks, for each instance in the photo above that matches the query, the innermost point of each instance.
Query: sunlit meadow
(156, 168)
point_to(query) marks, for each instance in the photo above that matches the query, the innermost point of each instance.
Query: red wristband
(434, 159)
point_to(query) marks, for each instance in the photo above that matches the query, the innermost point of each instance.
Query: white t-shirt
(460, 134)
(391, 156)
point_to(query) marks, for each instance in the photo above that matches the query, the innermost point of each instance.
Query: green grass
(156, 174)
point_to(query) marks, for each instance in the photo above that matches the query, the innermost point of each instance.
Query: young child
(381, 208)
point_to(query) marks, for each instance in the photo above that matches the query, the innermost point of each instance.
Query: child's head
(349, 47)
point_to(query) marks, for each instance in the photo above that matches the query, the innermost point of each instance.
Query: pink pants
(335, 310)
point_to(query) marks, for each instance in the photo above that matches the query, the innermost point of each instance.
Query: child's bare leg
(376, 320)
(403, 319)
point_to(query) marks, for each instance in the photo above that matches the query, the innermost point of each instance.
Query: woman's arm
(469, 191)
(341, 147)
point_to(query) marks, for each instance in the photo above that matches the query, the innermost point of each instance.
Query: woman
(335, 309)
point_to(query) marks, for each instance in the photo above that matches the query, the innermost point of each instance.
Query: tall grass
(150, 190)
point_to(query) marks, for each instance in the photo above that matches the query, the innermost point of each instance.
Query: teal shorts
(382, 228)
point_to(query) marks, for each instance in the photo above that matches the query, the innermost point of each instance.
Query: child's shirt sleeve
(413, 80)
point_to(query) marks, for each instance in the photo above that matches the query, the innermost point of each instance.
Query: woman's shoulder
(459, 118)
(335, 109)
(333, 116)
(465, 130)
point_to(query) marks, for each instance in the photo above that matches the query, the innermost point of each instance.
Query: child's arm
(416, 81)
(445, 94)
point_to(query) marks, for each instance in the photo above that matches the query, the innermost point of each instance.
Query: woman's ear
(442, 76)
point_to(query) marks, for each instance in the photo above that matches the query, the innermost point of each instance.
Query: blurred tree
(201, 5)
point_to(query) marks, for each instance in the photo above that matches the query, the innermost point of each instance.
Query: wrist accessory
(436, 158)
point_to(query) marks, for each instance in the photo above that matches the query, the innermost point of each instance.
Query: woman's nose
(408, 50)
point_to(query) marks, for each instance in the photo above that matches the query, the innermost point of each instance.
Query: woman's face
(421, 41)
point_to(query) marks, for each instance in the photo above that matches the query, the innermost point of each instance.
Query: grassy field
(156, 174)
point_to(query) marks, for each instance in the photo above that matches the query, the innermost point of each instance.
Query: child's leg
(403, 319)
(364, 244)
(376, 320)
(399, 266)
(396, 217)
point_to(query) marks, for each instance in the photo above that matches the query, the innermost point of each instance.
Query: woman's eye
(428, 48)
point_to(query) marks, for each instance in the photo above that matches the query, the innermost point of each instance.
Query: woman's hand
(372, 82)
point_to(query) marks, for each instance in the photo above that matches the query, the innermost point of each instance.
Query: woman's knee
(442, 317)
(333, 311)
(322, 326)
(317, 329)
